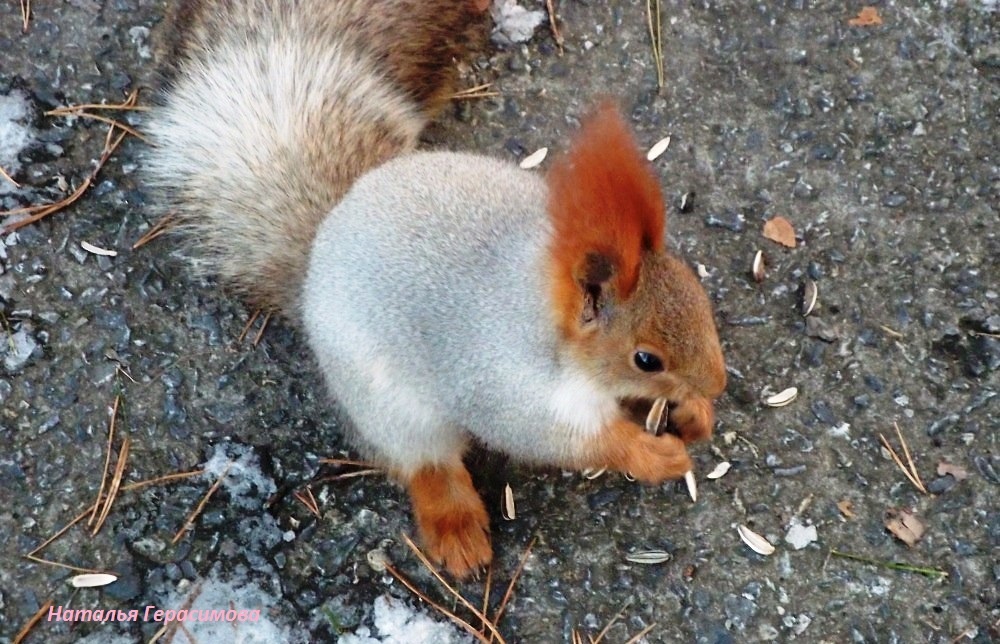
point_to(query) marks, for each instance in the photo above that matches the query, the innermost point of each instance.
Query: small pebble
(730, 221)
(941, 484)
(821, 410)
(893, 200)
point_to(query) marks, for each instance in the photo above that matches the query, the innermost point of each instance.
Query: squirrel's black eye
(647, 361)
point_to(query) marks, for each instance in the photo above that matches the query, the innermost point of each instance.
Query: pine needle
(111, 142)
(166, 478)
(25, 15)
(513, 580)
(116, 481)
(491, 625)
(910, 472)
(189, 522)
(158, 229)
(933, 573)
(478, 91)
(21, 634)
(656, 37)
(107, 461)
(553, 26)
(5, 175)
(436, 606)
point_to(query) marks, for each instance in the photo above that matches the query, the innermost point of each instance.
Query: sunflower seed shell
(809, 297)
(534, 159)
(757, 543)
(648, 557)
(719, 471)
(758, 266)
(509, 510)
(92, 580)
(658, 148)
(656, 419)
(782, 398)
(97, 250)
(692, 485)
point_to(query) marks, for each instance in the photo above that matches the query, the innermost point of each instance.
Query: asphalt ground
(878, 144)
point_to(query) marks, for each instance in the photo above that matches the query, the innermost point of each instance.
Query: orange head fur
(616, 292)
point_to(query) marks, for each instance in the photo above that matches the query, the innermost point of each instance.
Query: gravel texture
(879, 144)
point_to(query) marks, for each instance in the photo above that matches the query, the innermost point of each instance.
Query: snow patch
(247, 484)
(15, 134)
(216, 593)
(513, 23)
(396, 622)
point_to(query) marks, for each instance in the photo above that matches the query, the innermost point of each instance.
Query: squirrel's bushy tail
(275, 107)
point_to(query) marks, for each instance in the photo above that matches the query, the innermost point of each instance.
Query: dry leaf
(846, 508)
(905, 526)
(867, 17)
(957, 471)
(778, 229)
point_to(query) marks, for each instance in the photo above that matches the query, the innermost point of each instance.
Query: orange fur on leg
(451, 518)
(626, 447)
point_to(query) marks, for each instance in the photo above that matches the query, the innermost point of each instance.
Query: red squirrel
(448, 298)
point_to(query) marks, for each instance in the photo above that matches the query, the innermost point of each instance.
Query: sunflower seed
(377, 559)
(757, 543)
(719, 471)
(658, 148)
(758, 266)
(629, 477)
(591, 474)
(509, 511)
(687, 202)
(809, 297)
(648, 557)
(692, 485)
(92, 580)
(534, 159)
(783, 398)
(97, 250)
(656, 419)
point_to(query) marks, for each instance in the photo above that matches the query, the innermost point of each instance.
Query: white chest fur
(580, 407)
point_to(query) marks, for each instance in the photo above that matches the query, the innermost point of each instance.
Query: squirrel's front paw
(692, 419)
(626, 447)
(453, 523)
(654, 459)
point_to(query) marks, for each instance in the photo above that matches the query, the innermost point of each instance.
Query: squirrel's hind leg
(451, 518)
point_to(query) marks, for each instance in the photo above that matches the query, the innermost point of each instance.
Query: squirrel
(448, 298)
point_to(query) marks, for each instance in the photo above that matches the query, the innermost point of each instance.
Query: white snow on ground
(245, 482)
(396, 622)
(15, 134)
(513, 23)
(214, 594)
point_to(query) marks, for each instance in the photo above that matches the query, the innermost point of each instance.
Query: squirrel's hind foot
(451, 518)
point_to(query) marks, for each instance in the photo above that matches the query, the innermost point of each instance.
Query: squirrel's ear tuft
(605, 201)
